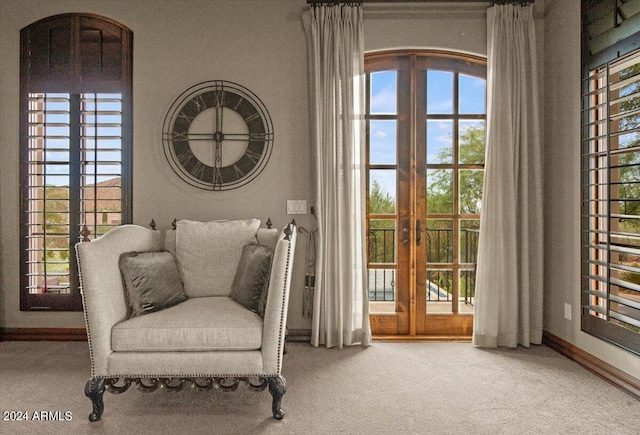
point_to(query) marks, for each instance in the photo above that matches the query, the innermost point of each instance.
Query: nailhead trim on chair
(284, 295)
(192, 376)
(86, 317)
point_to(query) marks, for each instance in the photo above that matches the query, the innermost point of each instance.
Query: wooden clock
(217, 135)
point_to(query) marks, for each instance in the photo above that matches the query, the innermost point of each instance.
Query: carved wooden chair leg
(277, 388)
(94, 389)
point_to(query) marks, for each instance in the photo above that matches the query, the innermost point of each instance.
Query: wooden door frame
(398, 322)
(411, 320)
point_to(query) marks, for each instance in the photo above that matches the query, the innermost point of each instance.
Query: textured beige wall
(455, 27)
(258, 44)
(562, 185)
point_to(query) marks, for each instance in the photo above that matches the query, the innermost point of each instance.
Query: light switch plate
(296, 206)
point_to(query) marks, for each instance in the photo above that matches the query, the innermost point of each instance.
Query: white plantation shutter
(611, 201)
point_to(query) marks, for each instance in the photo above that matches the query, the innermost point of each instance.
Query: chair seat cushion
(197, 324)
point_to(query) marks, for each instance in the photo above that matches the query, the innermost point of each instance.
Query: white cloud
(380, 133)
(384, 101)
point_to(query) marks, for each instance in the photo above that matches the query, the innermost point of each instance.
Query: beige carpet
(388, 388)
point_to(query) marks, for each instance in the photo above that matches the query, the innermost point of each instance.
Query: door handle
(405, 234)
(418, 232)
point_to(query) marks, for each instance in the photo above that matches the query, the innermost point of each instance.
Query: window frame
(72, 54)
(604, 244)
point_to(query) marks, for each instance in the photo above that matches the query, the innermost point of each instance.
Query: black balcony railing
(382, 245)
(382, 249)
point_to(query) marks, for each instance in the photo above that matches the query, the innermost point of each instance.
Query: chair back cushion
(267, 237)
(208, 253)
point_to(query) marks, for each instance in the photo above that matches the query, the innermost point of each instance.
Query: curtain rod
(321, 2)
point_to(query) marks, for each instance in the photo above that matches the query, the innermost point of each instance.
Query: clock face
(217, 135)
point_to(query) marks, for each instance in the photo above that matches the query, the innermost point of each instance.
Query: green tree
(380, 201)
(629, 172)
(440, 183)
(55, 221)
(381, 240)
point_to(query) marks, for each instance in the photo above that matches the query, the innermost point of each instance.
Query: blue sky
(57, 120)
(440, 100)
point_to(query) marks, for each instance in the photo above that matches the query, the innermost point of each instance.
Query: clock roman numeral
(200, 103)
(254, 156)
(240, 100)
(260, 137)
(239, 172)
(220, 97)
(184, 157)
(252, 117)
(198, 170)
(217, 179)
(179, 135)
(185, 117)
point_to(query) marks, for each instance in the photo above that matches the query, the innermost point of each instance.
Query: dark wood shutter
(75, 148)
(76, 53)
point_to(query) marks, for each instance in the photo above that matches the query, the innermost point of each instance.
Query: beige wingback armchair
(208, 340)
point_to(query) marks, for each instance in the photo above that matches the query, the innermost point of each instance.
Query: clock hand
(243, 137)
(218, 137)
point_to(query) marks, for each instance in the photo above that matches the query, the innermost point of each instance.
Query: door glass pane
(439, 190)
(471, 94)
(382, 284)
(383, 99)
(382, 191)
(382, 142)
(471, 191)
(439, 141)
(439, 233)
(382, 291)
(439, 92)
(469, 234)
(471, 142)
(439, 291)
(467, 284)
(382, 241)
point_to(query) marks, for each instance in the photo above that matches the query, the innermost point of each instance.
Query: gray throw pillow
(251, 282)
(152, 281)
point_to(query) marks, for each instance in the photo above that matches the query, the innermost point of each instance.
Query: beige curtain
(509, 287)
(336, 83)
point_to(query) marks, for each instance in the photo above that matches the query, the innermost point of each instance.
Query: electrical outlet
(567, 311)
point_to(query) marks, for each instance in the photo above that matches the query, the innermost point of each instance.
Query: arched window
(425, 140)
(75, 147)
